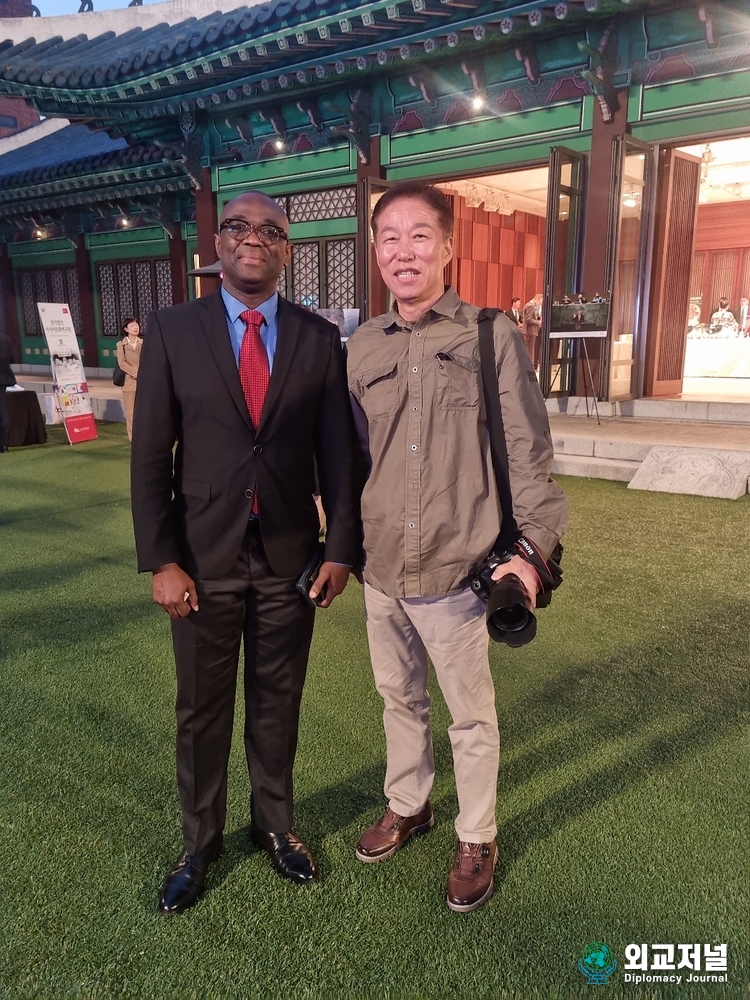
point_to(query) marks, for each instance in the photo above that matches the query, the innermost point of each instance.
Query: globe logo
(596, 963)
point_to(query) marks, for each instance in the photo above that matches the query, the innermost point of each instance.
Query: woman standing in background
(128, 358)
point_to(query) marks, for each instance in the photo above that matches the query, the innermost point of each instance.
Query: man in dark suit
(252, 391)
(6, 378)
(532, 321)
(514, 313)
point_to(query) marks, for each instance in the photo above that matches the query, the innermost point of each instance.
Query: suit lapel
(214, 319)
(287, 342)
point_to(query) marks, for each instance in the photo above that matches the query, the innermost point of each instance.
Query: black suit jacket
(191, 503)
(514, 319)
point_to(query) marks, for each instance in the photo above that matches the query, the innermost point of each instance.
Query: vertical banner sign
(71, 387)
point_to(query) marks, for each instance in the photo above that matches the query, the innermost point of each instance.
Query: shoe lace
(471, 853)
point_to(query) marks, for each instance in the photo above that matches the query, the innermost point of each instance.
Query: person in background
(514, 313)
(129, 358)
(532, 321)
(6, 378)
(723, 319)
(744, 319)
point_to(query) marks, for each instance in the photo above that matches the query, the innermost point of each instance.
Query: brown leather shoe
(389, 834)
(471, 880)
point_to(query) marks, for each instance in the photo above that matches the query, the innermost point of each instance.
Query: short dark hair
(432, 197)
(723, 302)
(125, 323)
(516, 298)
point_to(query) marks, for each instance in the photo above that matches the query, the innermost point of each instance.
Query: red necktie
(254, 370)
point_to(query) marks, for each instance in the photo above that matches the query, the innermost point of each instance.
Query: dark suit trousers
(277, 625)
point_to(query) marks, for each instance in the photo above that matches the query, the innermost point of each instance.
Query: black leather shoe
(184, 884)
(289, 856)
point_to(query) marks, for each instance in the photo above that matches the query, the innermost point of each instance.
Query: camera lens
(510, 615)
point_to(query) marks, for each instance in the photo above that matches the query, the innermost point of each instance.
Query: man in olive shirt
(431, 514)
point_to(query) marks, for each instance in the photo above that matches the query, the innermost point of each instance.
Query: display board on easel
(70, 385)
(581, 320)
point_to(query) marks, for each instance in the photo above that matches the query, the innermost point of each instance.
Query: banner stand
(68, 375)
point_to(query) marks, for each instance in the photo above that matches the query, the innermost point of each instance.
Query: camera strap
(509, 532)
(510, 538)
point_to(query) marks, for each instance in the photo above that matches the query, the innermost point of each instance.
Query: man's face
(250, 266)
(412, 252)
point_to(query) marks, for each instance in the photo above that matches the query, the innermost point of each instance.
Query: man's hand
(330, 581)
(174, 590)
(525, 573)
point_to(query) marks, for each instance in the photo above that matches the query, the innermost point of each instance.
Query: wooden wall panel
(723, 227)
(497, 256)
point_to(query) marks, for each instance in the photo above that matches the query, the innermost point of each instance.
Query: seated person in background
(744, 319)
(723, 319)
(694, 316)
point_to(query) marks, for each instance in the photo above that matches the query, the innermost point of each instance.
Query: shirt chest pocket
(456, 381)
(379, 391)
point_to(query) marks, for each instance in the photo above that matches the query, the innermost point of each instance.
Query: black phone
(309, 575)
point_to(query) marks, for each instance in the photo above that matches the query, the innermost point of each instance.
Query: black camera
(510, 612)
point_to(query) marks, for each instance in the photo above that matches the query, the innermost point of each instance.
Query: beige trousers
(128, 402)
(451, 631)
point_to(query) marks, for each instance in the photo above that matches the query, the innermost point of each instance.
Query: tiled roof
(74, 146)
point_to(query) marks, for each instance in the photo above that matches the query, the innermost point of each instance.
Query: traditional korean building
(594, 146)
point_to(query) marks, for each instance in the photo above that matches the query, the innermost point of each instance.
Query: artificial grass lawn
(621, 804)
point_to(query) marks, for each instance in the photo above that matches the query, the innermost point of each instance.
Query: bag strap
(509, 532)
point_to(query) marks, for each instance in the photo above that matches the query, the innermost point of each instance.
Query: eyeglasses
(268, 235)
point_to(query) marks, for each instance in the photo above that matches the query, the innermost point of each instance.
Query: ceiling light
(630, 200)
(477, 103)
(279, 144)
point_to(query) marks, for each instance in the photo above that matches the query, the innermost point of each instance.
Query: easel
(582, 337)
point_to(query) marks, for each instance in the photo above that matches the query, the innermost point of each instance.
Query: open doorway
(717, 353)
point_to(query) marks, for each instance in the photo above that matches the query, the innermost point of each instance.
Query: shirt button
(249, 494)
(413, 447)
(258, 449)
(414, 408)
(415, 369)
(411, 525)
(419, 333)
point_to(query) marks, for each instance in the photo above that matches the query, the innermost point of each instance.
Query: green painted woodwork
(692, 128)
(128, 244)
(321, 228)
(635, 104)
(42, 253)
(707, 92)
(333, 167)
(482, 142)
(470, 137)
(587, 113)
(189, 230)
(674, 27)
(533, 155)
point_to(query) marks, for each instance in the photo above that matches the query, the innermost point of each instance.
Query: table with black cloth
(25, 420)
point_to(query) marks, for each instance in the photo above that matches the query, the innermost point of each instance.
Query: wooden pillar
(178, 268)
(10, 314)
(599, 190)
(207, 223)
(371, 292)
(86, 296)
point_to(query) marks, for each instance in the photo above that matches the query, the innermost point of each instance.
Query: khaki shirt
(430, 506)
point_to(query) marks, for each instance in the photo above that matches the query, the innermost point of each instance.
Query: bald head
(255, 202)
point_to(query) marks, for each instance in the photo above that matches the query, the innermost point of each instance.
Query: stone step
(594, 468)
(620, 449)
(696, 411)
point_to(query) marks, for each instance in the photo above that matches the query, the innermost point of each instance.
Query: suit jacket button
(249, 494)
(258, 449)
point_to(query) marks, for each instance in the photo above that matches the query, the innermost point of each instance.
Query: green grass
(622, 805)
